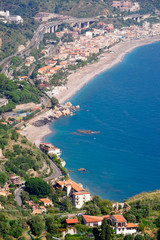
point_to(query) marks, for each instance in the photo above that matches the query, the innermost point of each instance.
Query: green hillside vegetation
(22, 157)
(78, 8)
(17, 92)
(29, 8)
(145, 209)
(154, 195)
(13, 35)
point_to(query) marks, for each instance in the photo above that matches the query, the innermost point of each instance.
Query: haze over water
(124, 105)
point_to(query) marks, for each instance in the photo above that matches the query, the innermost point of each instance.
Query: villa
(119, 223)
(75, 191)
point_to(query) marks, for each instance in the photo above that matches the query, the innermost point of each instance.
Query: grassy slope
(145, 196)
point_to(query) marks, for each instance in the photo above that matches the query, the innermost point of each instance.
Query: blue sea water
(122, 103)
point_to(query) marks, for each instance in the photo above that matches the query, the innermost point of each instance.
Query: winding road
(56, 173)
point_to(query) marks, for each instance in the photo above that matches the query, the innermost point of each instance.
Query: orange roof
(56, 68)
(81, 193)
(75, 186)
(70, 221)
(119, 218)
(44, 69)
(90, 219)
(45, 200)
(37, 211)
(132, 225)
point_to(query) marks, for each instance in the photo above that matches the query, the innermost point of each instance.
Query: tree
(37, 186)
(66, 203)
(37, 225)
(16, 229)
(106, 230)
(139, 237)
(92, 209)
(51, 226)
(3, 179)
(129, 237)
(157, 222)
(130, 217)
(54, 102)
(81, 228)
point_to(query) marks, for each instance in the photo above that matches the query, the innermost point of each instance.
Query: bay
(122, 103)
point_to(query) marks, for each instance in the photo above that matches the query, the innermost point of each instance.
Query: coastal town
(37, 83)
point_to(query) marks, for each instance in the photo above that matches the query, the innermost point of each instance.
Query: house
(72, 222)
(15, 179)
(94, 221)
(37, 211)
(121, 226)
(75, 192)
(119, 223)
(47, 202)
(49, 148)
(3, 193)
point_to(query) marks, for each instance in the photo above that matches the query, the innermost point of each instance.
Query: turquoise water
(124, 105)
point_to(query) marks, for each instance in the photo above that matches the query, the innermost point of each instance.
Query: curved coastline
(81, 77)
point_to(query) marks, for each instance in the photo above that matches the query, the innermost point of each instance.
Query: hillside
(27, 8)
(78, 8)
(21, 157)
(155, 195)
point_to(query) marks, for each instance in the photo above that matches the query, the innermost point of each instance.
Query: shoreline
(82, 76)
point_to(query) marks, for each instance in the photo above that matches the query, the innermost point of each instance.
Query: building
(72, 222)
(15, 180)
(75, 192)
(49, 148)
(47, 202)
(119, 223)
(121, 226)
(10, 18)
(94, 221)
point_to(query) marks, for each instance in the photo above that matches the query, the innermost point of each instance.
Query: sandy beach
(82, 76)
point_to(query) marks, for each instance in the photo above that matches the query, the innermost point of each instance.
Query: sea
(123, 104)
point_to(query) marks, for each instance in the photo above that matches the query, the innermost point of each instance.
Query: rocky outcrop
(66, 109)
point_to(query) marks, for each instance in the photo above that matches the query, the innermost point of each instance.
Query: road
(56, 173)
(18, 193)
(39, 33)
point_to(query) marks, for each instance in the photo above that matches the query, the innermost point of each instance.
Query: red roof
(72, 221)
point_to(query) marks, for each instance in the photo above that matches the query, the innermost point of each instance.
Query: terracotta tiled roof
(75, 186)
(119, 218)
(90, 219)
(80, 193)
(132, 225)
(37, 211)
(45, 200)
(71, 221)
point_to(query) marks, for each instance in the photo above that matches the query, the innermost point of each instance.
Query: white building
(119, 223)
(11, 18)
(94, 221)
(49, 148)
(75, 191)
(4, 14)
(16, 18)
(121, 226)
